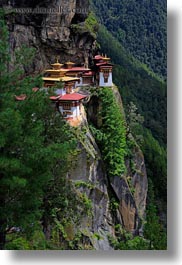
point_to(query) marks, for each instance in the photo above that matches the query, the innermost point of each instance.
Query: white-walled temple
(103, 69)
(71, 77)
(67, 79)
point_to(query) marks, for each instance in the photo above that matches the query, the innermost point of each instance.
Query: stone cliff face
(51, 34)
(89, 171)
(129, 191)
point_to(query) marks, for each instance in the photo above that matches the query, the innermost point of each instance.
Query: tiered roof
(60, 73)
(102, 61)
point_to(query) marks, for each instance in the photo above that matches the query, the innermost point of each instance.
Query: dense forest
(140, 26)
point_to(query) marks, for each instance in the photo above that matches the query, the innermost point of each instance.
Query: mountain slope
(140, 26)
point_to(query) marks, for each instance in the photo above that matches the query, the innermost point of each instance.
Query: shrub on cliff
(111, 136)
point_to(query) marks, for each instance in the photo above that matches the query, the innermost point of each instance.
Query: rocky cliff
(56, 29)
(118, 200)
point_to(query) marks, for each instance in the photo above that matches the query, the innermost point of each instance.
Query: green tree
(33, 141)
(126, 241)
(140, 26)
(134, 121)
(153, 230)
(111, 135)
(156, 162)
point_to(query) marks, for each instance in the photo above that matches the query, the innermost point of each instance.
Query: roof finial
(57, 59)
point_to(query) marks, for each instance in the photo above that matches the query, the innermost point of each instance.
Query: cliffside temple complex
(68, 79)
(100, 75)
(67, 101)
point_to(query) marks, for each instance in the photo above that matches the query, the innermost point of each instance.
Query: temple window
(106, 75)
(66, 106)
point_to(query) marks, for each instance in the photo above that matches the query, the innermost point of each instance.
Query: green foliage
(91, 24)
(137, 243)
(35, 147)
(114, 204)
(111, 136)
(125, 240)
(134, 121)
(97, 236)
(87, 203)
(154, 230)
(130, 184)
(38, 240)
(156, 162)
(19, 243)
(80, 242)
(140, 27)
(84, 184)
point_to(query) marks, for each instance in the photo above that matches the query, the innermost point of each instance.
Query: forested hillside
(140, 26)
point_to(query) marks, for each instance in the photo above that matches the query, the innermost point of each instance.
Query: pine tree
(33, 141)
(153, 230)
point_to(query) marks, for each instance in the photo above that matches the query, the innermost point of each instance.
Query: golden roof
(63, 79)
(69, 78)
(57, 70)
(57, 64)
(71, 63)
(106, 58)
(52, 79)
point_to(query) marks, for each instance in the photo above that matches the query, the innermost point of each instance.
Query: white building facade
(105, 78)
(70, 110)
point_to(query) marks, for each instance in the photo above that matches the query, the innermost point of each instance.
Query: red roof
(104, 64)
(20, 97)
(35, 89)
(98, 57)
(77, 69)
(55, 97)
(73, 97)
(88, 74)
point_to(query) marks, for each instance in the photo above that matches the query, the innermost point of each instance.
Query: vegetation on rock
(111, 135)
